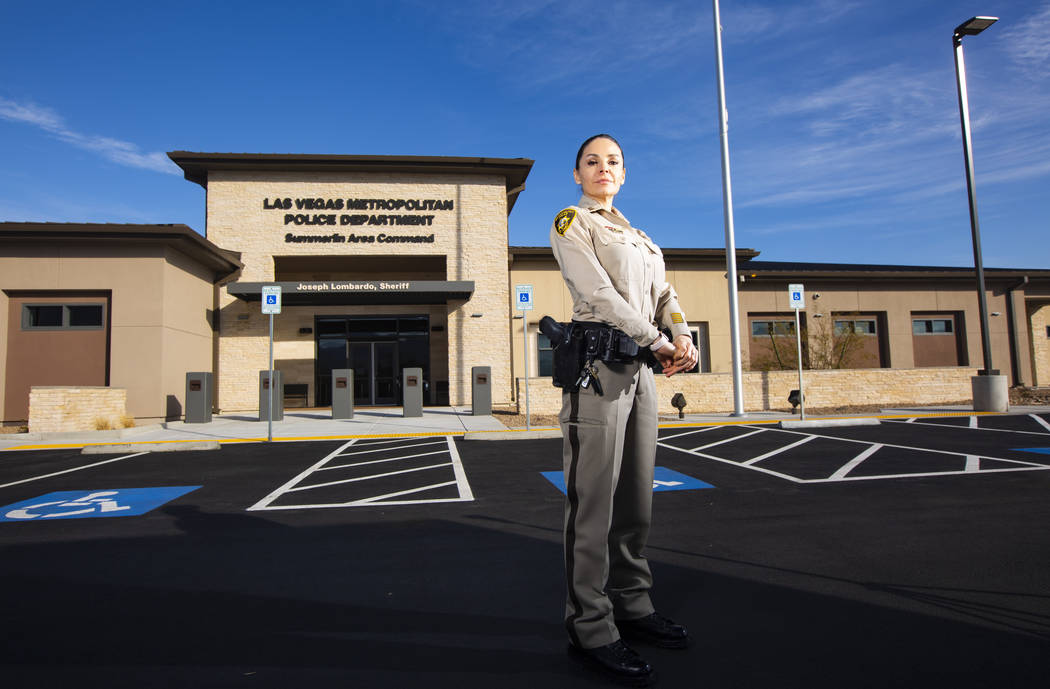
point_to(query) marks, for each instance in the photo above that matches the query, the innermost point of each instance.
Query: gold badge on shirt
(563, 220)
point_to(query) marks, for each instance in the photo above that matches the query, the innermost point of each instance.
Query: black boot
(618, 661)
(656, 630)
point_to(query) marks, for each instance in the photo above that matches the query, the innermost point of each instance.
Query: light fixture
(974, 25)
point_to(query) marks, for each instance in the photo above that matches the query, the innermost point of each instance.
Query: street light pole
(727, 211)
(972, 27)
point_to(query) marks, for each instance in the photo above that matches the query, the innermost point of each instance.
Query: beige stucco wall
(898, 301)
(472, 237)
(159, 328)
(765, 390)
(701, 291)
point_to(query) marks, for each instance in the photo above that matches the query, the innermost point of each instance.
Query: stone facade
(471, 237)
(1039, 317)
(767, 390)
(59, 409)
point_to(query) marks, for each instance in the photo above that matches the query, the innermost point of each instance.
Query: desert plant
(103, 424)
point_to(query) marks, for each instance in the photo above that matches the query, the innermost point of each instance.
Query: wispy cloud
(1026, 42)
(602, 42)
(114, 150)
(744, 22)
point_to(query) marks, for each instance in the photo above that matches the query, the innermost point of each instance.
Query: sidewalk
(245, 427)
(318, 424)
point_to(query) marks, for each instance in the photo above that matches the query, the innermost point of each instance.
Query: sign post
(797, 296)
(523, 298)
(271, 304)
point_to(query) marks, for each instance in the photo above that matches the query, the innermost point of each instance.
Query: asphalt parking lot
(909, 553)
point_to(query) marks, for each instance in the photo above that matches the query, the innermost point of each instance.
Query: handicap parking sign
(524, 293)
(664, 479)
(85, 504)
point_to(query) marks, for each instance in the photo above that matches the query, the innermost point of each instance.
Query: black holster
(568, 352)
(578, 344)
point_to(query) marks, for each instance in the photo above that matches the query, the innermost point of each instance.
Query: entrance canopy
(332, 292)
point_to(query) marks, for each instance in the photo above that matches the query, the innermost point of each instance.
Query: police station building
(392, 262)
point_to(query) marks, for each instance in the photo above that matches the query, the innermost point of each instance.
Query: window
(932, 326)
(937, 339)
(767, 328)
(62, 317)
(544, 355)
(862, 326)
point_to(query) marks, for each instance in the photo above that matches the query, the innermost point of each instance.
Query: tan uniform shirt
(615, 273)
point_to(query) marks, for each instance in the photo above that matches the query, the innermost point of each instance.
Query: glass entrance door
(331, 354)
(375, 348)
(384, 373)
(375, 372)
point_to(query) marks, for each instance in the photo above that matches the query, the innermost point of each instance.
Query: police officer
(615, 275)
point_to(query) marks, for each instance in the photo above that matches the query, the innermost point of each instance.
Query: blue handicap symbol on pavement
(83, 504)
(664, 479)
(1040, 450)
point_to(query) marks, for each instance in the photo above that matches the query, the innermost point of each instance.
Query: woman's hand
(683, 358)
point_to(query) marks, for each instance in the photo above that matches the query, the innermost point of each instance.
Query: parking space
(240, 567)
(401, 471)
(900, 448)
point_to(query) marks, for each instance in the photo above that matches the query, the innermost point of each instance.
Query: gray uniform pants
(608, 454)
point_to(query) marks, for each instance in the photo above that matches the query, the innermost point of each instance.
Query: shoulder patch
(563, 220)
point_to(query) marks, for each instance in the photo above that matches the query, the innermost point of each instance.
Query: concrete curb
(513, 435)
(114, 434)
(119, 448)
(821, 423)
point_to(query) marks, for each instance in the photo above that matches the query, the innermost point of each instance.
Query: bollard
(412, 387)
(342, 393)
(198, 397)
(481, 390)
(264, 396)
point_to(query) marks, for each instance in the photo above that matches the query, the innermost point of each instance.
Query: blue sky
(844, 126)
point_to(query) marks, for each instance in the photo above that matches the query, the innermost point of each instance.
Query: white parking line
(973, 422)
(854, 463)
(994, 430)
(265, 502)
(366, 478)
(465, 494)
(59, 473)
(729, 440)
(695, 453)
(387, 449)
(1041, 421)
(454, 463)
(378, 461)
(971, 463)
(692, 432)
(756, 460)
